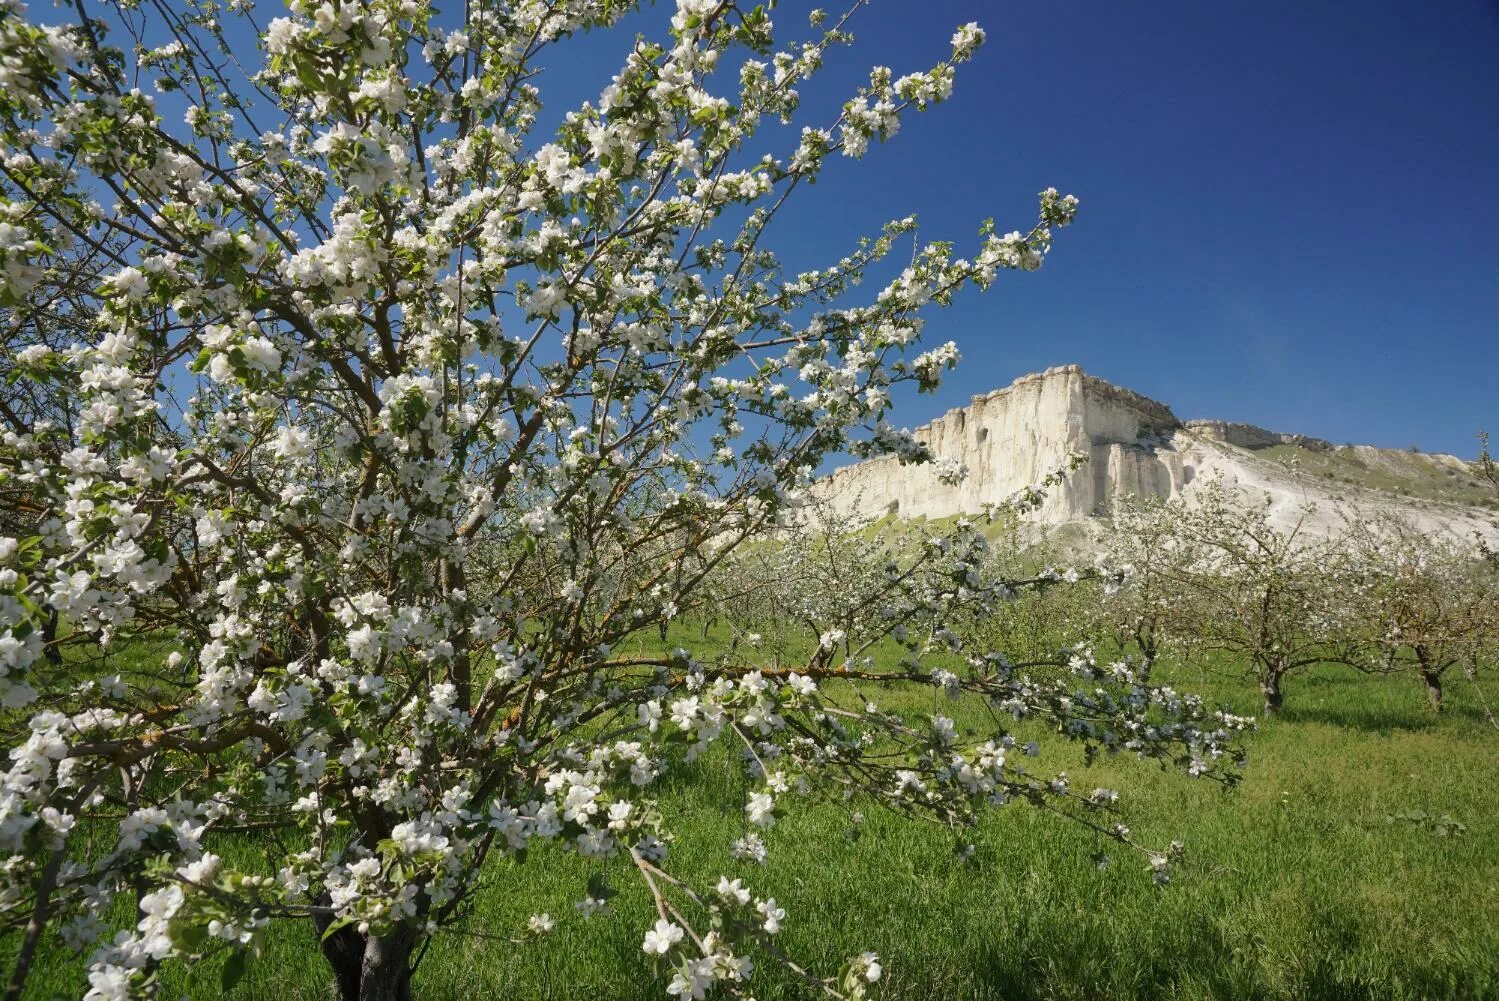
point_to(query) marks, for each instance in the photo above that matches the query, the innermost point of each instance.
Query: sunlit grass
(1301, 883)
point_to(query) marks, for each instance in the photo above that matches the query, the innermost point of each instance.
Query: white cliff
(1011, 438)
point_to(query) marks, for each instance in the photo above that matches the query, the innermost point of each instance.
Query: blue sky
(1289, 211)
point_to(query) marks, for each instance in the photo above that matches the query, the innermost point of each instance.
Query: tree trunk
(49, 637)
(1146, 640)
(367, 968)
(386, 972)
(1270, 689)
(1433, 683)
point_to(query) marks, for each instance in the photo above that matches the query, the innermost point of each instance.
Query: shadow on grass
(1205, 964)
(1368, 719)
(1202, 962)
(1373, 719)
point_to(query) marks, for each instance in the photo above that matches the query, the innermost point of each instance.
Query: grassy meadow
(1358, 859)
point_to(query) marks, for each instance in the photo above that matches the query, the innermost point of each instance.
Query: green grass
(1300, 884)
(1410, 474)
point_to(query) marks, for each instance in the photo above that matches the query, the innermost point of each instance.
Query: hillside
(1012, 437)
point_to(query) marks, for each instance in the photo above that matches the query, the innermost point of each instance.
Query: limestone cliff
(1012, 437)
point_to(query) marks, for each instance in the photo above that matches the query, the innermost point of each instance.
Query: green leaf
(338, 925)
(190, 938)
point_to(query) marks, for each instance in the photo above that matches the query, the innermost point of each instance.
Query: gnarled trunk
(366, 967)
(1147, 664)
(1148, 641)
(1429, 668)
(1270, 689)
(1433, 683)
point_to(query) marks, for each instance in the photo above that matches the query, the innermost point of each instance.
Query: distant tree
(1275, 598)
(1430, 603)
(1041, 615)
(1488, 471)
(1146, 559)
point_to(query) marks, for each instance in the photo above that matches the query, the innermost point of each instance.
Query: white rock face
(1011, 438)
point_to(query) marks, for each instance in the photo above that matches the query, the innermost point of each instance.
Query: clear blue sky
(1290, 212)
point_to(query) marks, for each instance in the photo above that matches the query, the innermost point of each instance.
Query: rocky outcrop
(1011, 438)
(1254, 438)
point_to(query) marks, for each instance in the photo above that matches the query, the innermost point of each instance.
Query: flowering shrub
(384, 419)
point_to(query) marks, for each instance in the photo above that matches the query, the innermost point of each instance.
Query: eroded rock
(1011, 438)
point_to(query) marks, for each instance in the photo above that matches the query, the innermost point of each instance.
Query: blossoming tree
(1431, 601)
(1147, 555)
(1226, 577)
(391, 417)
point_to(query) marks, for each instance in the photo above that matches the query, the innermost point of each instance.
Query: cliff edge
(1011, 438)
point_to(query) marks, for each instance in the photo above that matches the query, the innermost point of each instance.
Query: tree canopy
(356, 424)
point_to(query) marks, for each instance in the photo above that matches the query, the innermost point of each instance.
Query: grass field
(1329, 873)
